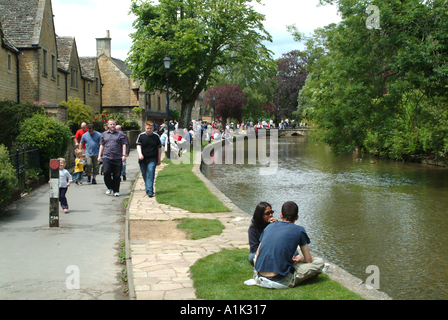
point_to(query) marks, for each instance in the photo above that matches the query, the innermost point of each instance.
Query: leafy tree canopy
(381, 88)
(228, 103)
(199, 37)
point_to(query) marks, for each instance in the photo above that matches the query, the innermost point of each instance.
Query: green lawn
(200, 228)
(221, 276)
(178, 186)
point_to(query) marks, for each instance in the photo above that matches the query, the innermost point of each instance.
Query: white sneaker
(116, 194)
(110, 191)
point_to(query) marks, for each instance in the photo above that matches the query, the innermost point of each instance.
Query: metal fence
(26, 162)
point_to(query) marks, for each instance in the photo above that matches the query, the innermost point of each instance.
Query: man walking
(113, 153)
(79, 135)
(91, 141)
(123, 171)
(149, 150)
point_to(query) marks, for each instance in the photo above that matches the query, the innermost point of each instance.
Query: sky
(87, 20)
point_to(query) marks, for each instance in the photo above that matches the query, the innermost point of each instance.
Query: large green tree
(381, 88)
(199, 37)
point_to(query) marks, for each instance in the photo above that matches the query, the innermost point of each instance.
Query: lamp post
(214, 114)
(167, 62)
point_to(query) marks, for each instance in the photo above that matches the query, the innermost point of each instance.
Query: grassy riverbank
(221, 276)
(176, 185)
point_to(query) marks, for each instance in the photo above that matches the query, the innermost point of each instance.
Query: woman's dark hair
(259, 213)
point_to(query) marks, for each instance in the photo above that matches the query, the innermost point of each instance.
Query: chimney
(103, 45)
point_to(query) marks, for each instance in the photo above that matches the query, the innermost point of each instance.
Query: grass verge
(178, 186)
(200, 228)
(221, 276)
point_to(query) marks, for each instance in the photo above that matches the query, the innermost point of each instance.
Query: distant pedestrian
(91, 140)
(113, 153)
(149, 156)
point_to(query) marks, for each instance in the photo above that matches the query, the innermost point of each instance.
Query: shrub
(78, 112)
(11, 114)
(51, 136)
(8, 178)
(130, 125)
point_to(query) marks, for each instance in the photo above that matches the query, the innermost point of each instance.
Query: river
(392, 215)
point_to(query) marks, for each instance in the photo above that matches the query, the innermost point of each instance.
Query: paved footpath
(36, 261)
(160, 269)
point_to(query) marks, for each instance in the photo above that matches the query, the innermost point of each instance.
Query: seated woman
(260, 220)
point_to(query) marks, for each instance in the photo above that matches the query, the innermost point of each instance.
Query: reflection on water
(390, 214)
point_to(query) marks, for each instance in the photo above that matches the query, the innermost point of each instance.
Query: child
(64, 182)
(79, 167)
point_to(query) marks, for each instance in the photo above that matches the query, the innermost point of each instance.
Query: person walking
(79, 135)
(65, 179)
(113, 153)
(149, 150)
(128, 149)
(91, 141)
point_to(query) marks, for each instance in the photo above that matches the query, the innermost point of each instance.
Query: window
(158, 104)
(58, 81)
(74, 78)
(45, 62)
(9, 63)
(88, 87)
(97, 85)
(53, 66)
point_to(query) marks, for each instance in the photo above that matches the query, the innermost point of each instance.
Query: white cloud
(89, 19)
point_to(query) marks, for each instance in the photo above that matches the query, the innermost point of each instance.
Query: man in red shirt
(78, 136)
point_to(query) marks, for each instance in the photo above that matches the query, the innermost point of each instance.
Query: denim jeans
(148, 173)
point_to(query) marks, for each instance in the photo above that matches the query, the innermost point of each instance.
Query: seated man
(276, 263)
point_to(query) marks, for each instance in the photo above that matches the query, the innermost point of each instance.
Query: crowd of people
(111, 148)
(279, 251)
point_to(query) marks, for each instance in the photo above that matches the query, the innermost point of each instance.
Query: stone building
(80, 76)
(8, 68)
(120, 92)
(39, 65)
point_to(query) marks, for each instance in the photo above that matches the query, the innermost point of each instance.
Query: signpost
(54, 193)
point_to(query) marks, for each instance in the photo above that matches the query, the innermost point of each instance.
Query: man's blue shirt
(279, 243)
(92, 142)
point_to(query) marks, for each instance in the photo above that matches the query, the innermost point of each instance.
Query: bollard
(54, 193)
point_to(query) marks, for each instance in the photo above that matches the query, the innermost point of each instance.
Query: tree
(229, 101)
(382, 89)
(199, 37)
(290, 79)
